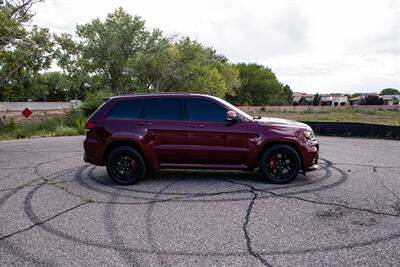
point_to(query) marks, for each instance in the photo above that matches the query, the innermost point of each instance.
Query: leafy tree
(197, 70)
(153, 66)
(107, 45)
(317, 100)
(373, 100)
(302, 101)
(23, 52)
(259, 86)
(56, 87)
(182, 66)
(288, 94)
(390, 91)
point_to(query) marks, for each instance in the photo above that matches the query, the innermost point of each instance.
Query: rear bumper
(93, 152)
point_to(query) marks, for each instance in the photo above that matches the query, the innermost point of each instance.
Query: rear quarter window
(129, 109)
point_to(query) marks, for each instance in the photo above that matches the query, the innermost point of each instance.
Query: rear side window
(130, 109)
(205, 110)
(163, 109)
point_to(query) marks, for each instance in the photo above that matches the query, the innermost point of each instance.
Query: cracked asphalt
(56, 210)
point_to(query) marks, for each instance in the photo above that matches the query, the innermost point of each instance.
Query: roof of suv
(156, 94)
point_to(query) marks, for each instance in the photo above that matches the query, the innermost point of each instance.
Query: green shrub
(76, 119)
(93, 101)
(63, 130)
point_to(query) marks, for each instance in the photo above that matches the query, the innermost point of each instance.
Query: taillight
(89, 126)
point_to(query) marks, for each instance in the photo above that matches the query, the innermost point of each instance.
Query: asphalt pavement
(56, 210)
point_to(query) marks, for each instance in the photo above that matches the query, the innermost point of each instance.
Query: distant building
(326, 99)
(356, 101)
(308, 98)
(388, 100)
(396, 98)
(334, 100)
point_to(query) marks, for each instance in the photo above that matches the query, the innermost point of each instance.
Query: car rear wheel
(125, 165)
(280, 164)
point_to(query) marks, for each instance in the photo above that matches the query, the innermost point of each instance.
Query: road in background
(57, 210)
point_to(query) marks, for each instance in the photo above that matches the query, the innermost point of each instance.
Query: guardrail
(355, 129)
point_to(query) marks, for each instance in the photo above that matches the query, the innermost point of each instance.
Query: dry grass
(386, 117)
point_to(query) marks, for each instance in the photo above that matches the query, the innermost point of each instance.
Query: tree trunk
(6, 77)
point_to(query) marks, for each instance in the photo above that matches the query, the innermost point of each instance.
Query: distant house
(396, 98)
(388, 100)
(334, 100)
(356, 101)
(326, 99)
(307, 98)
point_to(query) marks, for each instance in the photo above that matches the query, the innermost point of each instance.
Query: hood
(282, 122)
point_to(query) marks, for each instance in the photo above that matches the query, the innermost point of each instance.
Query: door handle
(144, 123)
(196, 126)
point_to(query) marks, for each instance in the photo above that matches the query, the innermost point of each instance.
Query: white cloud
(312, 45)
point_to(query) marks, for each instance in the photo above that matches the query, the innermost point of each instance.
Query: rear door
(165, 129)
(211, 140)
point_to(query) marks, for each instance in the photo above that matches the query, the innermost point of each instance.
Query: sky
(324, 46)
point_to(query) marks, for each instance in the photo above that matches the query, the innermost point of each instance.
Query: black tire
(280, 164)
(125, 165)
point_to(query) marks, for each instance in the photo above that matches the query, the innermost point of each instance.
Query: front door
(211, 140)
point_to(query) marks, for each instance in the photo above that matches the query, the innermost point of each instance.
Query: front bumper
(312, 168)
(312, 156)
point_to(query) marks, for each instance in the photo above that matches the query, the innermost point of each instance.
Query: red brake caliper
(133, 164)
(271, 164)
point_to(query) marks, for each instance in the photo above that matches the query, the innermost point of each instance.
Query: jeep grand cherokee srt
(136, 133)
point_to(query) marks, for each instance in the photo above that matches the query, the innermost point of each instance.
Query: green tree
(23, 52)
(302, 101)
(373, 100)
(317, 100)
(197, 70)
(258, 86)
(288, 94)
(68, 54)
(106, 46)
(390, 91)
(182, 66)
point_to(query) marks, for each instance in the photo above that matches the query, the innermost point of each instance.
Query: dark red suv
(137, 133)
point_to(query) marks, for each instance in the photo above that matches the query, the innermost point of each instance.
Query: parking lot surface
(56, 210)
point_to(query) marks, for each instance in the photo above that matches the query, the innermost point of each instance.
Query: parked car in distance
(134, 134)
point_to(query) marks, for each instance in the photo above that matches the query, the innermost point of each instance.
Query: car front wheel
(125, 165)
(280, 164)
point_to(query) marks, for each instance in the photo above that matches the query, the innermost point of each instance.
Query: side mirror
(231, 116)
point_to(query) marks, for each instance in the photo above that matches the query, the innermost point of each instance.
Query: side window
(205, 110)
(129, 109)
(163, 109)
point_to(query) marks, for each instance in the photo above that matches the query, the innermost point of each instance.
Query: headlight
(309, 135)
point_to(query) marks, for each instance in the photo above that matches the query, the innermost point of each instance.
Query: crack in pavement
(285, 195)
(249, 243)
(41, 222)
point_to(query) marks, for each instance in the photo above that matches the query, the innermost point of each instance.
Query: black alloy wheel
(125, 165)
(280, 164)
